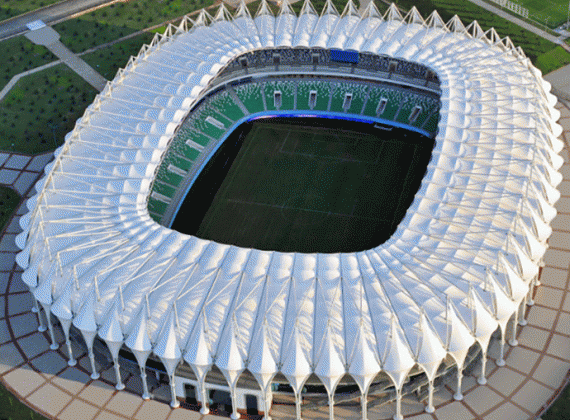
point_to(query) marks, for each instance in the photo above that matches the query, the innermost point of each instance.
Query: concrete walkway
(560, 81)
(6, 89)
(49, 38)
(534, 373)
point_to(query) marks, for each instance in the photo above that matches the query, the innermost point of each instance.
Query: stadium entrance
(306, 185)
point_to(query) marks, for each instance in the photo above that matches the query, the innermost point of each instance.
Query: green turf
(12, 409)
(553, 60)
(19, 54)
(561, 407)
(312, 188)
(9, 200)
(38, 112)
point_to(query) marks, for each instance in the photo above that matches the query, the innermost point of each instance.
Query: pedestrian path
(534, 372)
(6, 89)
(48, 37)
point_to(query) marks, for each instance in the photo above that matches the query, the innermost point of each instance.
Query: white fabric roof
(458, 265)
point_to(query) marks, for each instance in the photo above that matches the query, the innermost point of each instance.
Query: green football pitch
(311, 185)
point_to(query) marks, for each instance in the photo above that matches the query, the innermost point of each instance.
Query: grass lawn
(544, 54)
(561, 407)
(552, 60)
(12, 409)
(108, 60)
(120, 19)
(19, 54)
(9, 200)
(551, 13)
(41, 109)
(11, 8)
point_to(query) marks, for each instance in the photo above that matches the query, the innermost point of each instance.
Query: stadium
(309, 210)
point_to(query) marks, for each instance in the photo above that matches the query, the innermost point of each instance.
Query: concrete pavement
(560, 81)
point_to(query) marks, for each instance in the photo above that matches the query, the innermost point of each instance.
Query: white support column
(37, 310)
(501, 360)
(120, 385)
(331, 406)
(528, 300)
(145, 394)
(522, 311)
(65, 325)
(513, 341)
(458, 395)
(537, 279)
(174, 403)
(398, 415)
(204, 393)
(53, 345)
(71, 361)
(235, 415)
(482, 380)
(298, 399)
(267, 400)
(429, 407)
(364, 405)
(94, 373)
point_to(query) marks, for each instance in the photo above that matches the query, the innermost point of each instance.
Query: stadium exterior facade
(460, 266)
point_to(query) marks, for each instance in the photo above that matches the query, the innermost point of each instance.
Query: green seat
(156, 207)
(429, 105)
(163, 189)
(177, 161)
(304, 89)
(287, 90)
(251, 96)
(358, 92)
(224, 104)
(374, 96)
(431, 123)
(168, 177)
(182, 149)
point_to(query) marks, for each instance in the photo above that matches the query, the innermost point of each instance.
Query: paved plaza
(534, 373)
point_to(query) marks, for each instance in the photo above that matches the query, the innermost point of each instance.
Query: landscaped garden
(18, 55)
(120, 19)
(38, 112)
(9, 200)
